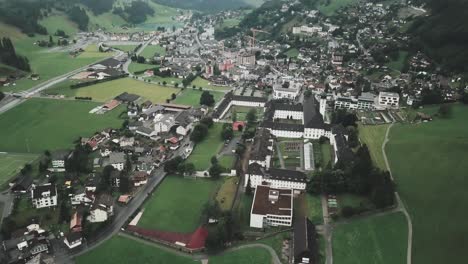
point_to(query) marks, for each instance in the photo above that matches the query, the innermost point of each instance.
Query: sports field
(177, 204)
(123, 250)
(429, 164)
(150, 50)
(209, 147)
(44, 124)
(254, 255)
(205, 84)
(373, 240)
(106, 91)
(373, 136)
(192, 97)
(10, 164)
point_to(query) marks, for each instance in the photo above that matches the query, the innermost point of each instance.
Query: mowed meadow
(47, 124)
(429, 164)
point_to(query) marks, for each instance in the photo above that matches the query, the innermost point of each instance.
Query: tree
(251, 115)
(215, 171)
(2, 95)
(189, 168)
(445, 110)
(124, 184)
(214, 160)
(173, 96)
(227, 133)
(207, 99)
(105, 182)
(234, 115)
(171, 165)
(307, 93)
(199, 133)
(248, 188)
(207, 121)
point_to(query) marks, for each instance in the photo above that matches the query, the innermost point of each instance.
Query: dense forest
(444, 33)
(9, 57)
(135, 13)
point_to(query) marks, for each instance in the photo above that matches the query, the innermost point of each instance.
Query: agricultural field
(106, 91)
(44, 124)
(210, 146)
(177, 204)
(120, 250)
(428, 162)
(372, 240)
(227, 192)
(373, 136)
(244, 256)
(11, 164)
(200, 82)
(150, 50)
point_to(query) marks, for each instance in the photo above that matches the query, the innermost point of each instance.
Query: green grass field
(11, 164)
(203, 151)
(314, 209)
(276, 242)
(334, 5)
(177, 204)
(200, 82)
(244, 256)
(241, 112)
(326, 150)
(44, 124)
(292, 53)
(373, 137)
(398, 63)
(125, 47)
(105, 91)
(428, 162)
(192, 97)
(373, 240)
(123, 250)
(150, 50)
(137, 67)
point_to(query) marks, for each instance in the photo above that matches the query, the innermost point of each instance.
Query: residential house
(44, 195)
(102, 209)
(117, 160)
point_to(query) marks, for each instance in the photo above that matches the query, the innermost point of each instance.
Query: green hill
(210, 5)
(443, 34)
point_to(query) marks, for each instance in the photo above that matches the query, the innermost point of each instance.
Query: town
(246, 132)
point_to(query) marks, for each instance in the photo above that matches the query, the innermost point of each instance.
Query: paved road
(138, 52)
(401, 206)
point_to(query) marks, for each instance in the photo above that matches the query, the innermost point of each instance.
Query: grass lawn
(230, 22)
(353, 200)
(59, 21)
(276, 242)
(137, 67)
(334, 5)
(241, 112)
(92, 51)
(10, 164)
(244, 207)
(244, 256)
(398, 63)
(177, 204)
(125, 47)
(203, 151)
(326, 150)
(168, 80)
(120, 250)
(150, 50)
(373, 137)
(428, 161)
(227, 161)
(226, 193)
(373, 240)
(45, 124)
(314, 209)
(200, 82)
(292, 53)
(192, 97)
(105, 91)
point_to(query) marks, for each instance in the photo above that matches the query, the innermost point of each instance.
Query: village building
(271, 207)
(44, 195)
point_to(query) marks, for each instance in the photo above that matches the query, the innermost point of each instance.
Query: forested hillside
(444, 33)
